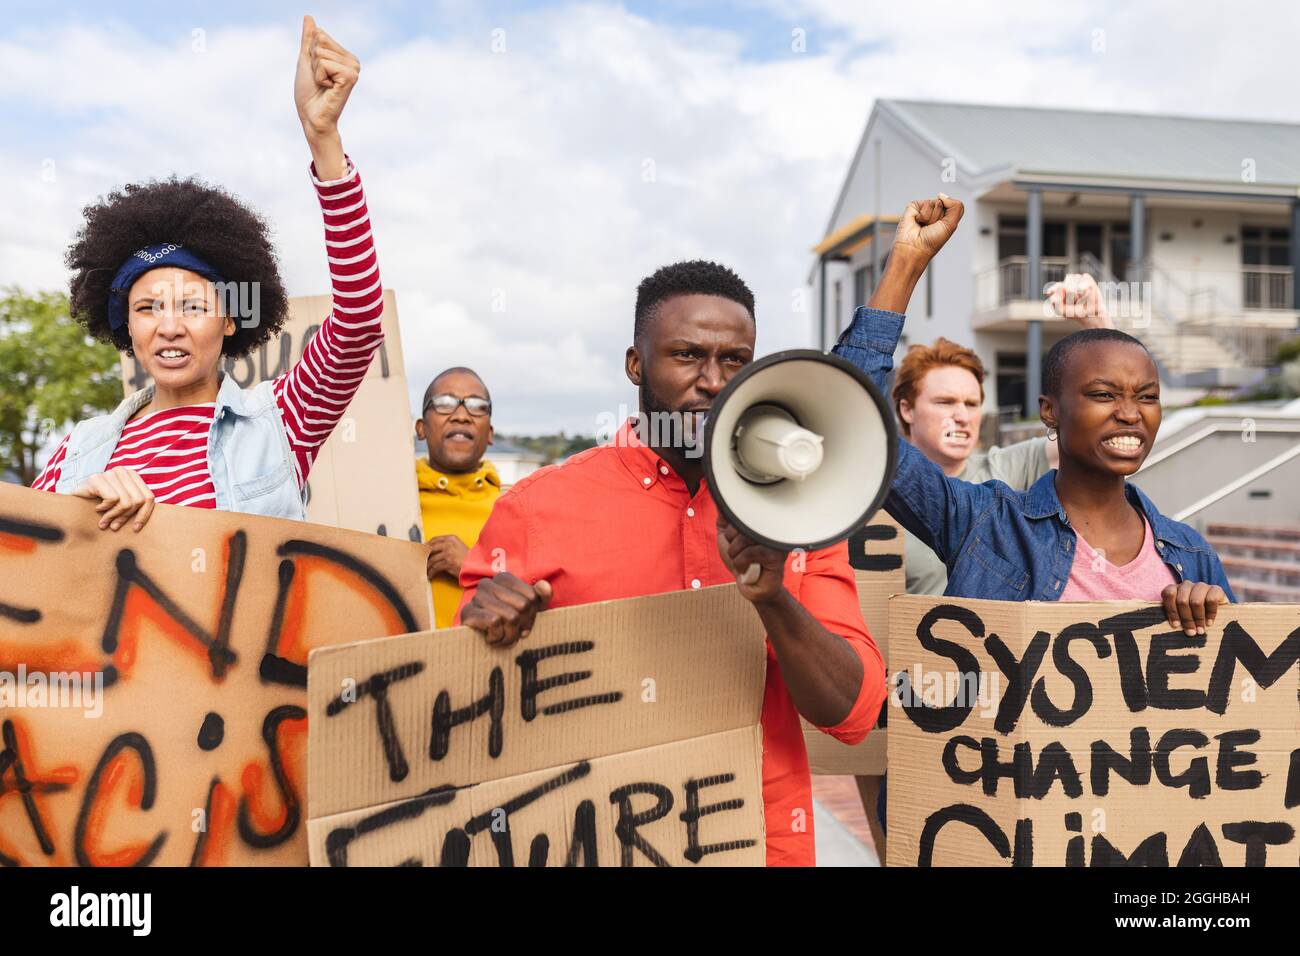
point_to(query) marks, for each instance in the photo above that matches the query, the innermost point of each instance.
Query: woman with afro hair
(179, 274)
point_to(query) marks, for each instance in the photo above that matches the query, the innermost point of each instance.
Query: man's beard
(662, 426)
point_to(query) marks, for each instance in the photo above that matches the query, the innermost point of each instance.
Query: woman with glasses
(181, 274)
(457, 487)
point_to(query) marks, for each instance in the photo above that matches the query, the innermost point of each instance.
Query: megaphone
(799, 450)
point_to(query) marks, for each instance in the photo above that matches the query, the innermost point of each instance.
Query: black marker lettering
(1266, 669)
(1226, 776)
(965, 813)
(1161, 664)
(937, 720)
(1020, 676)
(628, 822)
(691, 817)
(128, 741)
(1258, 837)
(1054, 762)
(950, 764)
(1197, 775)
(376, 688)
(493, 703)
(1073, 671)
(582, 843)
(1153, 851)
(531, 687)
(501, 839)
(1136, 768)
(339, 839)
(862, 560)
(1132, 684)
(292, 807)
(1201, 850)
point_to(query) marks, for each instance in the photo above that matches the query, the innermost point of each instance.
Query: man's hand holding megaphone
(759, 570)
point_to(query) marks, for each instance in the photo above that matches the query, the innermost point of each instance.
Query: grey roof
(1105, 145)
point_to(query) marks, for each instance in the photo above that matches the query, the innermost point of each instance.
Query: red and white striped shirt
(168, 448)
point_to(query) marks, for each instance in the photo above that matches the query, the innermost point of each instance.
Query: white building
(1199, 213)
(513, 462)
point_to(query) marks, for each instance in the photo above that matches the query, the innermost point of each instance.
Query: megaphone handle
(752, 574)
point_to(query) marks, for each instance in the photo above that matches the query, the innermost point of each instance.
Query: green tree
(52, 375)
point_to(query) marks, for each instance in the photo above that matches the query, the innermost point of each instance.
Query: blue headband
(161, 255)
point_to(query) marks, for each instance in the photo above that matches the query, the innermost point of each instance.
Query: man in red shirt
(636, 517)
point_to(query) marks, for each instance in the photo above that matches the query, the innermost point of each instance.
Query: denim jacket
(1000, 543)
(249, 457)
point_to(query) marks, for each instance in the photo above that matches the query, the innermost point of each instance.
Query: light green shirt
(1018, 465)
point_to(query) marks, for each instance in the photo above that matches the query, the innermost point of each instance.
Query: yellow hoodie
(459, 505)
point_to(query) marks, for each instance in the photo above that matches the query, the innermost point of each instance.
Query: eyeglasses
(446, 404)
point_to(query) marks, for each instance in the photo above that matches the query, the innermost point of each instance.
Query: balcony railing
(1267, 287)
(1186, 294)
(1206, 294)
(1008, 281)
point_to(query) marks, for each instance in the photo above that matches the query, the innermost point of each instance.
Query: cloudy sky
(528, 163)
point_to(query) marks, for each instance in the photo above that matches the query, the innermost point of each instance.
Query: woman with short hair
(939, 398)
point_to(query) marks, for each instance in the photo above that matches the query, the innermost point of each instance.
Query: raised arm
(937, 509)
(314, 395)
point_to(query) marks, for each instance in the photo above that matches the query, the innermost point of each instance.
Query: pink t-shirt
(1093, 578)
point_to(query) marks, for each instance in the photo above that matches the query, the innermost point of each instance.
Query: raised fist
(324, 79)
(926, 225)
(1078, 297)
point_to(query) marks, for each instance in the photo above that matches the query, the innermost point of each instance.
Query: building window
(1265, 247)
(1088, 243)
(1011, 237)
(1265, 267)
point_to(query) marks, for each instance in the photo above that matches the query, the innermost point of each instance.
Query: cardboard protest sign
(1091, 734)
(623, 733)
(876, 554)
(153, 685)
(363, 477)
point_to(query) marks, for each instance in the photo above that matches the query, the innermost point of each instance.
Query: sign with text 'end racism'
(153, 685)
(1092, 734)
(623, 733)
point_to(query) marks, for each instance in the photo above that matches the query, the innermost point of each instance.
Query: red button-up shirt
(617, 522)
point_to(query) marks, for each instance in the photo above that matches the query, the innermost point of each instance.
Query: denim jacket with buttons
(249, 457)
(997, 542)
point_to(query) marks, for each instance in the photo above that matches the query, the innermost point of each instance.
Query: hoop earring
(1051, 434)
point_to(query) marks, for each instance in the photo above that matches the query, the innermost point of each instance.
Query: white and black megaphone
(799, 450)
